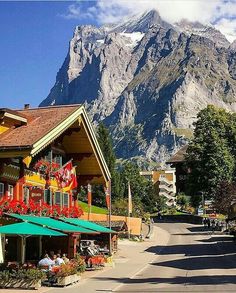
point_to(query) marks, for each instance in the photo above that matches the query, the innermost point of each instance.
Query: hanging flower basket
(45, 168)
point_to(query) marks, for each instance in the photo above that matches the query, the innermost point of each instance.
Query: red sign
(36, 193)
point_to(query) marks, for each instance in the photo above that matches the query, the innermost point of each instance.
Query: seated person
(59, 261)
(64, 257)
(46, 262)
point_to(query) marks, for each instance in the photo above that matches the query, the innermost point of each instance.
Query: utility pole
(129, 208)
(109, 217)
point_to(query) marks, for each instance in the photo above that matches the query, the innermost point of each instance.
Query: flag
(66, 177)
(89, 195)
(107, 193)
(129, 200)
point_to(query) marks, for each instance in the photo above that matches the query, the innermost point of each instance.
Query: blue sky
(34, 43)
(35, 36)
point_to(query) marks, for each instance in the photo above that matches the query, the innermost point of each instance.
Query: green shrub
(172, 211)
(29, 274)
(34, 274)
(79, 263)
(4, 275)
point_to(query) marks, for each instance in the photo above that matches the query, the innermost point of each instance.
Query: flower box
(65, 281)
(22, 284)
(109, 262)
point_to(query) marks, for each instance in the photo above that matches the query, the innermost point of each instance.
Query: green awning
(25, 228)
(88, 225)
(53, 224)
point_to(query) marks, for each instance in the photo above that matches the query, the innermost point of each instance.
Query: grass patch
(186, 132)
(94, 209)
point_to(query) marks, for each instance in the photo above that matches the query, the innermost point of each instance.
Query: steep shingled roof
(40, 122)
(179, 156)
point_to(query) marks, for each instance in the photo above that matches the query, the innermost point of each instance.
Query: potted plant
(22, 278)
(66, 275)
(79, 263)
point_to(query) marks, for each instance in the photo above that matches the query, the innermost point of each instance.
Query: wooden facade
(71, 138)
(54, 134)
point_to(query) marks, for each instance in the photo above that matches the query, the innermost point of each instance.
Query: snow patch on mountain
(135, 37)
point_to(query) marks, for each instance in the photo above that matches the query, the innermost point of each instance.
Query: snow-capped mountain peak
(147, 80)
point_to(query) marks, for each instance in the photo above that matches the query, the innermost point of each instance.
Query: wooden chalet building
(177, 161)
(35, 140)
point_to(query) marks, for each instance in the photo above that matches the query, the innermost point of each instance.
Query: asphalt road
(192, 261)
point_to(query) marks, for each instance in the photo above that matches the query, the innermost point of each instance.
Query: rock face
(147, 80)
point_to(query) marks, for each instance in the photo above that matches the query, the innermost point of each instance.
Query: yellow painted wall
(6, 124)
(156, 175)
(3, 128)
(36, 179)
(169, 176)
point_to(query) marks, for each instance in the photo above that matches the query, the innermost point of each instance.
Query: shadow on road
(201, 253)
(201, 263)
(194, 280)
(199, 249)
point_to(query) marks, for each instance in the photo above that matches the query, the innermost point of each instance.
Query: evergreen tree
(105, 142)
(144, 198)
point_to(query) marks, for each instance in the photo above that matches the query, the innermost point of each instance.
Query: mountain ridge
(146, 80)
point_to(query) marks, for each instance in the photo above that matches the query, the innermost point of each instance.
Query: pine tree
(105, 142)
(106, 146)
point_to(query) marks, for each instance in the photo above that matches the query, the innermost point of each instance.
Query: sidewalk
(131, 259)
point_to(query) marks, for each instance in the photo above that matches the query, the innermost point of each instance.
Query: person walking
(208, 223)
(213, 226)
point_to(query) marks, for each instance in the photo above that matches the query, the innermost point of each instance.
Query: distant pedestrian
(213, 226)
(221, 226)
(208, 223)
(205, 222)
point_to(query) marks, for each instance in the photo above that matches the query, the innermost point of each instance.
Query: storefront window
(48, 196)
(10, 191)
(26, 194)
(65, 199)
(58, 159)
(58, 198)
(1, 189)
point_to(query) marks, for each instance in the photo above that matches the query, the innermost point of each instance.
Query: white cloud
(73, 12)
(228, 28)
(221, 13)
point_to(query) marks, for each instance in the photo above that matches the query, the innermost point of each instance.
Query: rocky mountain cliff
(147, 80)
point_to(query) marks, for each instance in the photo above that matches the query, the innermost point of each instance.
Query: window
(1, 189)
(58, 159)
(10, 191)
(65, 200)
(57, 198)
(26, 194)
(47, 196)
(48, 156)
